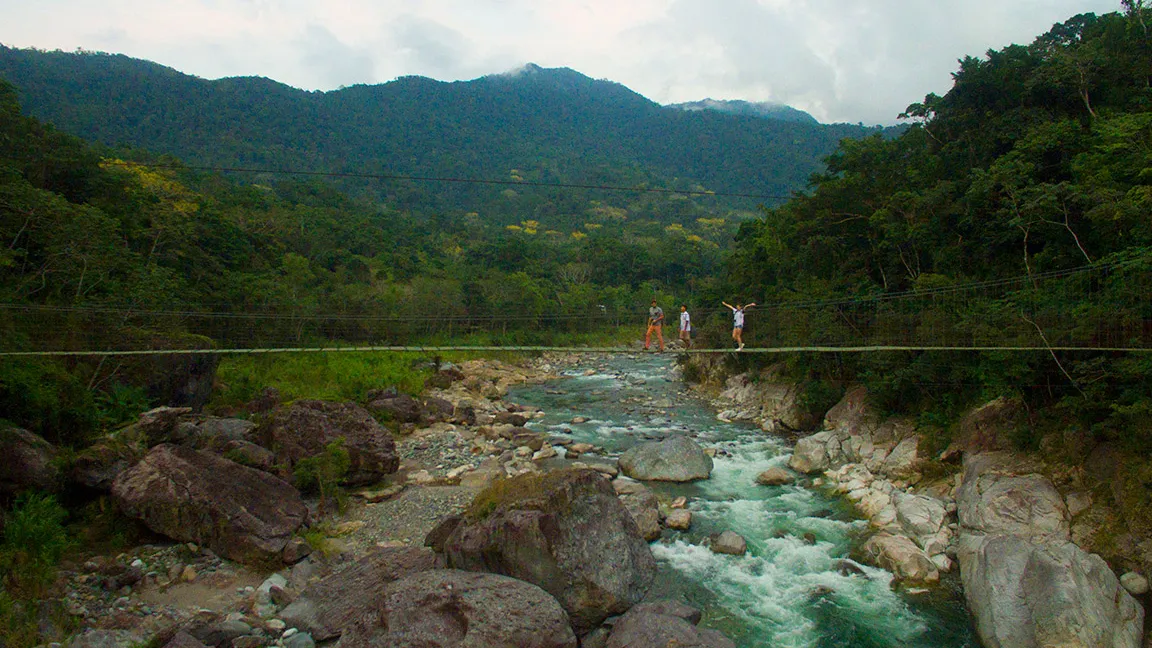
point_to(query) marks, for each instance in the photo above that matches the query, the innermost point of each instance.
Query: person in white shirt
(738, 323)
(685, 326)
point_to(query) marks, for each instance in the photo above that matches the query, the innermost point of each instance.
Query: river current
(797, 587)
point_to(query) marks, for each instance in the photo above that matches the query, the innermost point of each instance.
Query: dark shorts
(738, 328)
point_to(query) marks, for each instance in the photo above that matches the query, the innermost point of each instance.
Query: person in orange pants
(655, 325)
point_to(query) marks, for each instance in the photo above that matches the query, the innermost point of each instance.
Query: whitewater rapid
(797, 587)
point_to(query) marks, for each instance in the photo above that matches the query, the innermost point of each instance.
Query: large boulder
(564, 531)
(305, 427)
(810, 454)
(398, 407)
(1028, 595)
(1025, 583)
(98, 465)
(992, 502)
(447, 608)
(676, 459)
(192, 496)
(29, 462)
(646, 627)
(329, 607)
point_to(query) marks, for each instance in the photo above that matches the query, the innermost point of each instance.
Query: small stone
(581, 448)
(139, 564)
(352, 526)
(289, 632)
(1136, 584)
(679, 519)
(300, 640)
(275, 625)
(679, 502)
(188, 574)
(577, 420)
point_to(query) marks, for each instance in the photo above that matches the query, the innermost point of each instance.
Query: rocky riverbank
(999, 517)
(241, 559)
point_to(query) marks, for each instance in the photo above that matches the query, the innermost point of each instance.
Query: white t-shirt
(685, 321)
(737, 317)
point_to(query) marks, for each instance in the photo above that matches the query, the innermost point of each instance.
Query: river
(792, 589)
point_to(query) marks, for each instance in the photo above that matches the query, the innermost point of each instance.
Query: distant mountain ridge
(767, 110)
(550, 124)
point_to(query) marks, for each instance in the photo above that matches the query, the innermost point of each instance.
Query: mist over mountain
(551, 125)
(767, 110)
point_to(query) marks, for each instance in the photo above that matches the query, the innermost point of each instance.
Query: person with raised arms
(738, 322)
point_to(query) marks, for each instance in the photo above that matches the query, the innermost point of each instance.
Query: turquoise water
(793, 589)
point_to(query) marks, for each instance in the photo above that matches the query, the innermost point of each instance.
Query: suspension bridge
(1100, 308)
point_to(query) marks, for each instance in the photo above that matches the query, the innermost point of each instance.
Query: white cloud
(861, 60)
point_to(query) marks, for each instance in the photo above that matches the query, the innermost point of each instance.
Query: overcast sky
(841, 60)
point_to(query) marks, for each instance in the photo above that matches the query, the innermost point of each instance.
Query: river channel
(792, 589)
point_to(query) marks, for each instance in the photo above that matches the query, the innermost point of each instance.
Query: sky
(840, 60)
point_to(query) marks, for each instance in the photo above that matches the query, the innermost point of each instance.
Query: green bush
(324, 472)
(34, 542)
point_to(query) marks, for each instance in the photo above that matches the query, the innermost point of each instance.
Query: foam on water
(791, 589)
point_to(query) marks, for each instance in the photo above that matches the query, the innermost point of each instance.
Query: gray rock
(457, 609)
(397, 407)
(329, 607)
(1135, 584)
(216, 432)
(29, 462)
(564, 531)
(98, 465)
(646, 629)
(239, 512)
(305, 427)
(902, 557)
(1026, 595)
(902, 459)
(676, 459)
(810, 454)
(1028, 505)
(920, 516)
(106, 639)
(774, 476)
(300, 640)
(219, 633)
(728, 542)
(669, 608)
(644, 508)
(184, 640)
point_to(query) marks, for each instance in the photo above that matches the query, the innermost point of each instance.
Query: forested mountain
(750, 108)
(552, 125)
(1038, 160)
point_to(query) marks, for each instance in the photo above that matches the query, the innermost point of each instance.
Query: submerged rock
(677, 459)
(564, 531)
(728, 542)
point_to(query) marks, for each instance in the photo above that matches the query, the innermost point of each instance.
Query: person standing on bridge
(655, 325)
(685, 326)
(738, 323)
